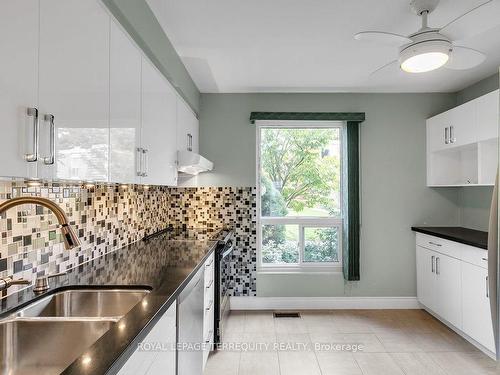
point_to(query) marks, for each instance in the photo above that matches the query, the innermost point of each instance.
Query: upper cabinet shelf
(84, 104)
(462, 144)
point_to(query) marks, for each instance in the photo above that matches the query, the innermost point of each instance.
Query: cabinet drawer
(475, 255)
(440, 245)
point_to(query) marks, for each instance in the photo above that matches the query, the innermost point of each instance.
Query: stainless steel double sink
(49, 334)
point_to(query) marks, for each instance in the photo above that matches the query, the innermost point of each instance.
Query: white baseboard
(319, 303)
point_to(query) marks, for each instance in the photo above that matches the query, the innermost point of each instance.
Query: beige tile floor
(399, 342)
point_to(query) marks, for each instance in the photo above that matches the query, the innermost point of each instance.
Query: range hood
(190, 162)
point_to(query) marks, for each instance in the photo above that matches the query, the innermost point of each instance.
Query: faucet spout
(69, 236)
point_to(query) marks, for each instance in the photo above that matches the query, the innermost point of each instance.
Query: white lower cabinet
(476, 305)
(449, 299)
(438, 278)
(452, 283)
(209, 308)
(156, 354)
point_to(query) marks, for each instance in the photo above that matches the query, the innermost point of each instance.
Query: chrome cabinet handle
(139, 161)
(145, 165)
(432, 263)
(487, 288)
(190, 142)
(49, 160)
(435, 244)
(209, 305)
(452, 139)
(446, 137)
(210, 263)
(438, 262)
(210, 284)
(33, 156)
(207, 340)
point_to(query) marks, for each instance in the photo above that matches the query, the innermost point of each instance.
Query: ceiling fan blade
(385, 66)
(474, 22)
(383, 38)
(462, 58)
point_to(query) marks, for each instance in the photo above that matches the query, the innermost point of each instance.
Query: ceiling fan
(431, 48)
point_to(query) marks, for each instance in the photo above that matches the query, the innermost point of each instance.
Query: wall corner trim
(320, 303)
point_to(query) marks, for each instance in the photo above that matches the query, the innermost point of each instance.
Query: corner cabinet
(462, 144)
(85, 104)
(452, 283)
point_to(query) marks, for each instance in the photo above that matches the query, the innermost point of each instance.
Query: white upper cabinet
(18, 87)
(438, 131)
(159, 130)
(462, 144)
(462, 126)
(187, 128)
(125, 108)
(487, 117)
(79, 100)
(74, 89)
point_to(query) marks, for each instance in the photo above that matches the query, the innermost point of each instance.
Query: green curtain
(350, 209)
(307, 116)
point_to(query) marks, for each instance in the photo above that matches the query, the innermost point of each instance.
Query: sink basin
(46, 336)
(32, 346)
(85, 303)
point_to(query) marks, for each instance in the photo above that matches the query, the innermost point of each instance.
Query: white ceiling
(308, 45)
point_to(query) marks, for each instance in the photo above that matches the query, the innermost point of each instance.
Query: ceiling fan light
(425, 57)
(425, 62)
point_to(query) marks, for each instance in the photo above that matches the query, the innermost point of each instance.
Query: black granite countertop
(466, 236)
(164, 264)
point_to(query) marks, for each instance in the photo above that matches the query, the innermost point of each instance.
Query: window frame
(301, 221)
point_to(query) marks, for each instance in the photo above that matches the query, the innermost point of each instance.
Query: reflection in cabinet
(83, 104)
(125, 107)
(19, 84)
(153, 361)
(74, 88)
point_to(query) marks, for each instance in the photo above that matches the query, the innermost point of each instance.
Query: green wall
(140, 22)
(393, 175)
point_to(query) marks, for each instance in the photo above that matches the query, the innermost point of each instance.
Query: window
(299, 178)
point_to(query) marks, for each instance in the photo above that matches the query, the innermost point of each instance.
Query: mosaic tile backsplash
(107, 218)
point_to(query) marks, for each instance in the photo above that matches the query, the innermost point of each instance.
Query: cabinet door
(487, 116)
(448, 289)
(437, 131)
(426, 277)
(477, 321)
(18, 85)
(159, 130)
(150, 360)
(125, 107)
(463, 124)
(74, 88)
(187, 127)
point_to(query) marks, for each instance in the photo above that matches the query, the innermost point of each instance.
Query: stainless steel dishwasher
(190, 323)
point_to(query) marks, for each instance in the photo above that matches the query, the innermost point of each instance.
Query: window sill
(300, 270)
